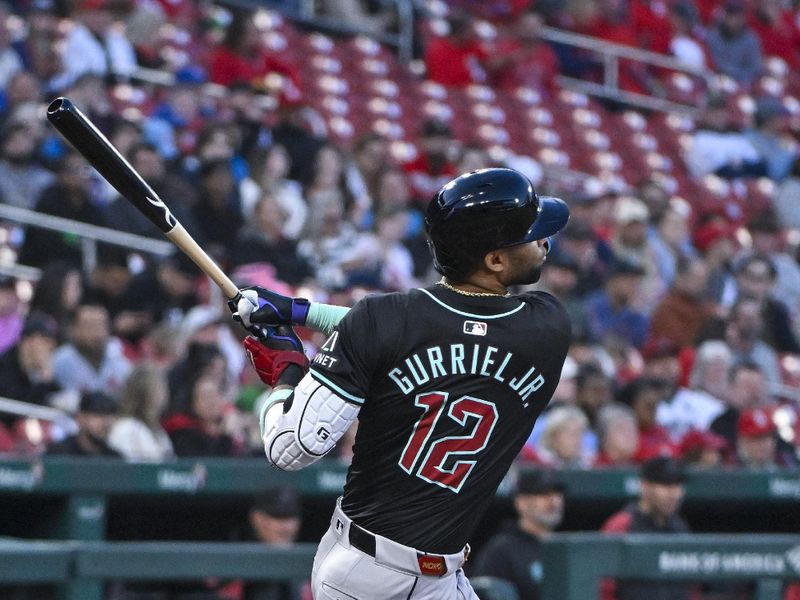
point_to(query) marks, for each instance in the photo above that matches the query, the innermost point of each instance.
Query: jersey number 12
(425, 456)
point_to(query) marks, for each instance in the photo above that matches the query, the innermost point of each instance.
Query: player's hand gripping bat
(106, 159)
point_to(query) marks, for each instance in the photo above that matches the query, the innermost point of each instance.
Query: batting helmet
(485, 210)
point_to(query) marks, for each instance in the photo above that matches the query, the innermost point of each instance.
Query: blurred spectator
(270, 171)
(340, 255)
(457, 59)
(661, 493)
(199, 359)
(748, 391)
(94, 44)
(682, 310)
(294, 132)
(719, 145)
(92, 360)
(630, 243)
(618, 436)
(644, 396)
(734, 46)
(770, 241)
(514, 553)
(702, 449)
(58, 292)
(218, 210)
(164, 291)
(669, 241)
(370, 158)
(787, 209)
(433, 167)
(715, 238)
(593, 389)
(107, 284)
(561, 441)
(755, 278)
(262, 241)
(329, 183)
(70, 197)
(772, 21)
(11, 318)
(243, 57)
(124, 216)
(22, 178)
(682, 43)
(356, 14)
(95, 417)
(137, 434)
(176, 121)
(199, 430)
(26, 369)
(743, 332)
(771, 138)
(612, 311)
(523, 59)
(698, 404)
(10, 59)
(579, 241)
(274, 519)
(755, 439)
(560, 278)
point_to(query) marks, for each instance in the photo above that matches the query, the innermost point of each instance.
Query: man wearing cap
(612, 311)
(755, 439)
(26, 370)
(275, 519)
(95, 417)
(656, 511)
(514, 554)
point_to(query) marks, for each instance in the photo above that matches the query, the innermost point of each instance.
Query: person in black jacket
(95, 417)
(514, 554)
(26, 369)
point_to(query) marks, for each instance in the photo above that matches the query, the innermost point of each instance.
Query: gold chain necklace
(444, 284)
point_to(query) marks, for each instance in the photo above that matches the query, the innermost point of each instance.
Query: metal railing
(611, 54)
(89, 234)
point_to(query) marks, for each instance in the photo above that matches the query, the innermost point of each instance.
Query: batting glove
(278, 359)
(260, 306)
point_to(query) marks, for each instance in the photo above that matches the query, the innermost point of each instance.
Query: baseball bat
(79, 131)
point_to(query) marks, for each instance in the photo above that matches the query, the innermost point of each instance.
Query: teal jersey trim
(345, 395)
(472, 315)
(325, 317)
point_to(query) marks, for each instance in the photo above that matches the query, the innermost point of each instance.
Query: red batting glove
(270, 364)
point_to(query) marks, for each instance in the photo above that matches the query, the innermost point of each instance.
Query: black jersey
(449, 388)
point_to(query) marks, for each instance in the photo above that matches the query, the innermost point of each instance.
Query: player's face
(525, 263)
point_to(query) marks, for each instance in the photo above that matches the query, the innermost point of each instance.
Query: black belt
(362, 539)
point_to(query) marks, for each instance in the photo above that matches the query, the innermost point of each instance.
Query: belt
(429, 564)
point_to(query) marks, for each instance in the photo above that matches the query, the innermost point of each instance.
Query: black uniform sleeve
(350, 357)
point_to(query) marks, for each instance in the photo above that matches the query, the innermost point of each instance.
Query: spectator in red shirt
(433, 167)
(523, 58)
(651, 24)
(643, 396)
(459, 58)
(243, 58)
(778, 35)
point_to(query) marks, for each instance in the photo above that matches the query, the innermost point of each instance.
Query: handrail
(90, 234)
(622, 51)
(21, 272)
(34, 411)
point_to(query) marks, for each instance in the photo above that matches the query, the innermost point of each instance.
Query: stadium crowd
(686, 318)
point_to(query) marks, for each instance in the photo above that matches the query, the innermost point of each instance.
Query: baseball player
(446, 383)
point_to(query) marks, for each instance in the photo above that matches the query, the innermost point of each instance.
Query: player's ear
(496, 260)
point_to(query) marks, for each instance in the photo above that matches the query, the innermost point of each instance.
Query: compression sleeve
(325, 317)
(300, 429)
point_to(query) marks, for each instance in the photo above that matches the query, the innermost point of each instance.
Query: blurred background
(299, 142)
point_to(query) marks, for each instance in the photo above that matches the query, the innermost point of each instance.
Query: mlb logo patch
(475, 327)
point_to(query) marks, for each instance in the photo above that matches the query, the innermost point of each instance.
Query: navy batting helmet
(485, 210)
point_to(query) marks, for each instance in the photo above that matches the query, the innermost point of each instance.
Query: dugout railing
(573, 564)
